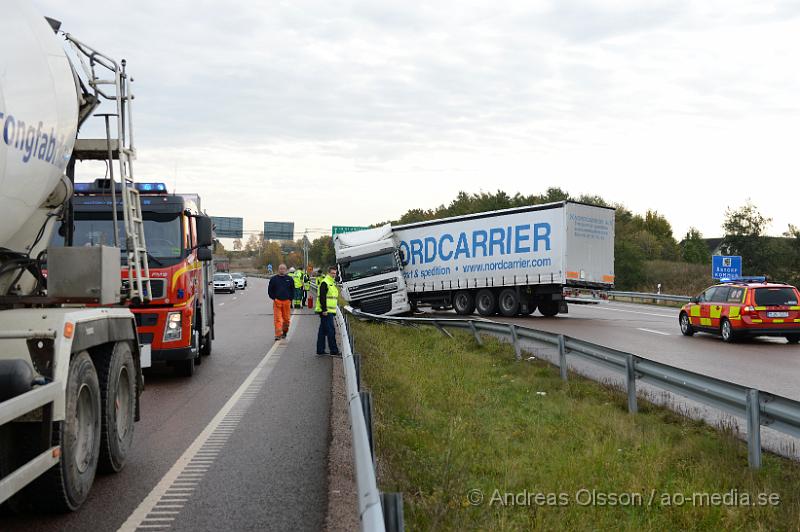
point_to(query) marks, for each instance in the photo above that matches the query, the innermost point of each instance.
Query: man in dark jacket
(281, 291)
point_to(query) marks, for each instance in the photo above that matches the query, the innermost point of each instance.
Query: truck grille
(146, 320)
(381, 305)
(158, 286)
(373, 289)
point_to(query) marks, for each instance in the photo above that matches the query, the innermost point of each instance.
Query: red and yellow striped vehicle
(742, 308)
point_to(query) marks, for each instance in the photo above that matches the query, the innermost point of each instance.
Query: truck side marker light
(69, 329)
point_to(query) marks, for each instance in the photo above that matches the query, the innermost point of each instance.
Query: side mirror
(695, 299)
(205, 231)
(403, 261)
(204, 254)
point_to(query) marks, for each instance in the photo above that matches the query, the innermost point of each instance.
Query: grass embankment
(451, 417)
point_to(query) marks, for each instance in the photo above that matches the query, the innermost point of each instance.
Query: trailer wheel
(117, 375)
(464, 303)
(508, 302)
(486, 302)
(78, 437)
(548, 308)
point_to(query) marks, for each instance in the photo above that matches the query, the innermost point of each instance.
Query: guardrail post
(630, 383)
(442, 329)
(517, 352)
(475, 333)
(562, 356)
(366, 407)
(753, 429)
(357, 365)
(392, 504)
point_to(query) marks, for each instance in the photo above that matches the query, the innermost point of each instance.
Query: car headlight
(173, 330)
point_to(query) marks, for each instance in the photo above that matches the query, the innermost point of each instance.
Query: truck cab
(371, 271)
(177, 323)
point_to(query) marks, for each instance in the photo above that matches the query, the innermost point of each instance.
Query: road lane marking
(634, 312)
(207, 444)
(652, 331)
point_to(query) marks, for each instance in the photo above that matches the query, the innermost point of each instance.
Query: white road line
(634, 312)
(652, 331)
(139, 515)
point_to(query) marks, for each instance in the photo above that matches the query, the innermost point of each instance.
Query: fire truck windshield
(162, 232)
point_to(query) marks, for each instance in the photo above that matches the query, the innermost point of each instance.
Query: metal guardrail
(649, 295)
(369, 496)
(759, 408)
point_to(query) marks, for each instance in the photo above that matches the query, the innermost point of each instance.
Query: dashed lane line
(175, 487)
(652, 331)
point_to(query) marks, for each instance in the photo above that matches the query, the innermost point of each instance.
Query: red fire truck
(178, 321)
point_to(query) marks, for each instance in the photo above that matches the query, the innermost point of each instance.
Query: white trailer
(70, 369)
(511, 261)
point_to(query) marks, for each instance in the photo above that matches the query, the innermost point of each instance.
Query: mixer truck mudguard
(70, 367)
(511, 262)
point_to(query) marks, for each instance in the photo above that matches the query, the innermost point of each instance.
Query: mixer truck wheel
(486, 302)
(508, 302)
(117, 374)
(464, 303)
(67, 484)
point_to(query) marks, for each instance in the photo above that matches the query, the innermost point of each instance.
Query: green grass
(451, 416)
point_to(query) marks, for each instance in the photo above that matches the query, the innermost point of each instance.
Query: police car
(744, 307)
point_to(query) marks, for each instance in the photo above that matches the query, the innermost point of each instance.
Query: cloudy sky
(329, 112)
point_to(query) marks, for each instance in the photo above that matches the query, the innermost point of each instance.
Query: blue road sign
(726, 267)
(269, 268)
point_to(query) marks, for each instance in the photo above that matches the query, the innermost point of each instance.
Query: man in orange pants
(281, 291)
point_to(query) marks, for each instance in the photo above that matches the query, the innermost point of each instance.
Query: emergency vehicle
(744, 307)
(178, 321)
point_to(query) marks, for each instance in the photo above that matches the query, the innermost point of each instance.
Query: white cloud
(679, 106)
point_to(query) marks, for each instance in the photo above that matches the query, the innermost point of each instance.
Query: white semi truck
(511, 261)
(70, 361)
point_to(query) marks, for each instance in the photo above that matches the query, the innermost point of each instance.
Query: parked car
(223, 282)
(744, 307)
(240, 280)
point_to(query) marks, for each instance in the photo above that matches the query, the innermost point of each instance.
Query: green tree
(694, 248)
(744, 235)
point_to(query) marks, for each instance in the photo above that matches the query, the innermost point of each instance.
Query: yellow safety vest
(332, 298)
(306, 282)
(298, 279)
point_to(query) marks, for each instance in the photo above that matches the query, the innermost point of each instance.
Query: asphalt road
(769, 364)
(263, 468)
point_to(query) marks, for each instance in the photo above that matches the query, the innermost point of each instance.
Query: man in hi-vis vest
(327, 299)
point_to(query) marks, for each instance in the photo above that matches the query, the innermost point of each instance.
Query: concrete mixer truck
(70, 359)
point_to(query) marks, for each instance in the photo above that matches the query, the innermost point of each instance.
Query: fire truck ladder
(119, 147)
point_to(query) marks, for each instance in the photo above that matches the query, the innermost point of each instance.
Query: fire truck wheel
(464, 303)
(78, 437)
(508, 302)
(205, 349)
(185, 368)
(117, 375)
(486, 302)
